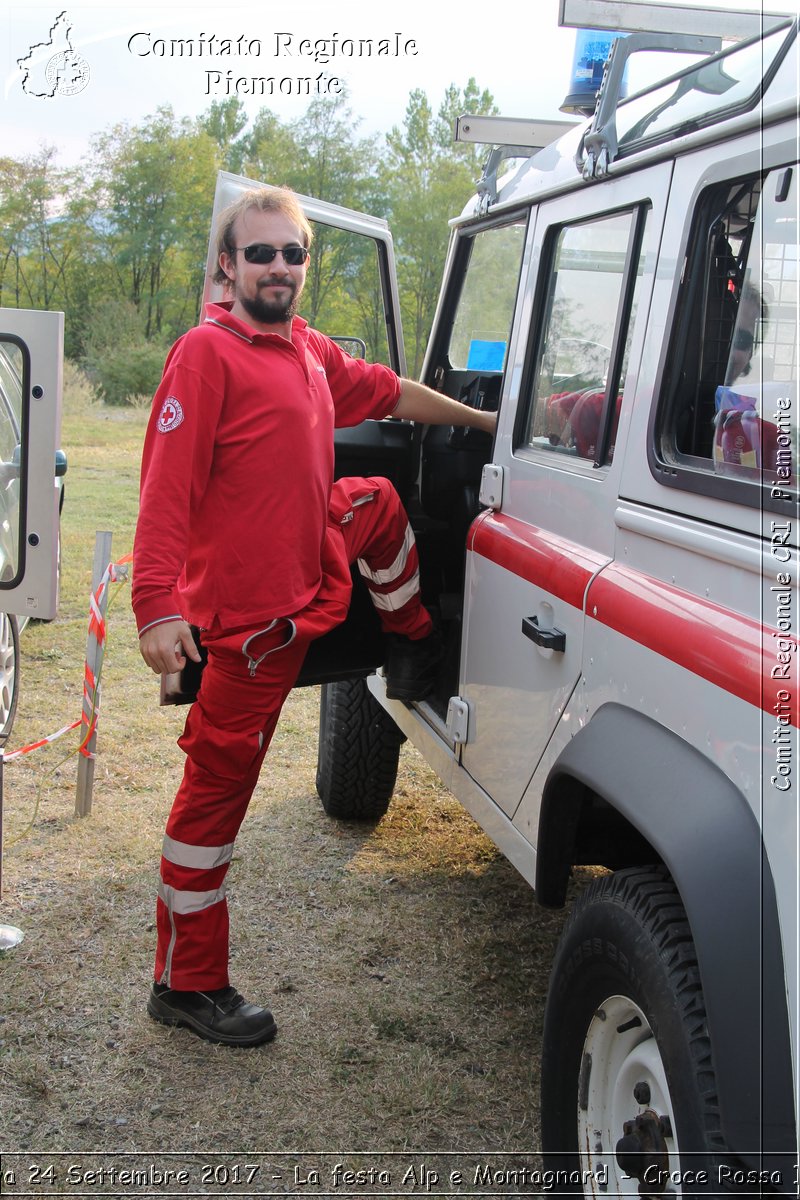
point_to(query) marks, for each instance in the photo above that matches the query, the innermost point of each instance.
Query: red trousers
(248, 676)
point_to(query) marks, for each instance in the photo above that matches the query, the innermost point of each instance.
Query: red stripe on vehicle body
(734, 652)
(559, 566)
(731, 651)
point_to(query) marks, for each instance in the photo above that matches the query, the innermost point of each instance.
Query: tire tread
(647, 896)
(359, 747)
(651, 896)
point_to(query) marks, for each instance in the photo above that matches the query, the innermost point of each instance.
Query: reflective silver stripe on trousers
(388, 574)
(184, 903)
(400, 596)
(199, 858)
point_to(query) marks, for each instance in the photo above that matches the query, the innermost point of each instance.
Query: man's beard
(271, 312)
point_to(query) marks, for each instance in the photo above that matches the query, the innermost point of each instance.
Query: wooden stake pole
(94, 661)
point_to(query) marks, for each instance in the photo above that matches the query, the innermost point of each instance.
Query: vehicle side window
(470, 357)
(728, 418)
(10, 398)
(479, 338)
(467, 362)
(11, 416)
(582, 357)
(343, 296)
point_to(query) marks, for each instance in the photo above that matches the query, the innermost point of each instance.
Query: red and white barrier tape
(114, 573)
(42, 742)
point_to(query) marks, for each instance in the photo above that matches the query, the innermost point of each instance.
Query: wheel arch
(622, 756)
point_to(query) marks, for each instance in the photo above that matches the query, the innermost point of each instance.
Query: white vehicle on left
(32, 473)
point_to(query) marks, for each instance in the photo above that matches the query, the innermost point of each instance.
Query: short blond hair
(266, 199)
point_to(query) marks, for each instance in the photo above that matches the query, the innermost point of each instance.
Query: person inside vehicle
(752, 313)
(243, 533)
(742, 438)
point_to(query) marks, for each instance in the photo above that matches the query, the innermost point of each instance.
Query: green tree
(118, 357)
(459, 102)
(319, 155)
(332, 164)
(131, 227)
(224, 122)
(267, 151)
(155, 187)
(427, 179)
(35, 230)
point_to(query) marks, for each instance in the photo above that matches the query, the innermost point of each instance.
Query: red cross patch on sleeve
(171, 415)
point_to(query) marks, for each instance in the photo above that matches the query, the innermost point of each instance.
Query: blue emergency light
(592, 48)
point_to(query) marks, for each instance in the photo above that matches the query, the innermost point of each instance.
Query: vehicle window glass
(756, 420)
(702, 94)
(467, 361)
(11, 401)
(482, 325)
(730, 397)
(11, 407)
(580, 324)
(343, 295)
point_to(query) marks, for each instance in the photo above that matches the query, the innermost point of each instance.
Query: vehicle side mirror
(353, 346)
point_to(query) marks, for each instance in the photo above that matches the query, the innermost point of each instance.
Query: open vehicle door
(31, 358)
(31, 355)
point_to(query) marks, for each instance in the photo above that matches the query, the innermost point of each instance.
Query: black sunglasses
(261, 253)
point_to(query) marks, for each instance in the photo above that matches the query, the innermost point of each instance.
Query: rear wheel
(628, 1087)
(359, 749)
(9, 672)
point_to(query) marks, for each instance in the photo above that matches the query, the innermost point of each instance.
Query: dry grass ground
(406, 963)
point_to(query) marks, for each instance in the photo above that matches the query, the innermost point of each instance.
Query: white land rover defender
(616, 580)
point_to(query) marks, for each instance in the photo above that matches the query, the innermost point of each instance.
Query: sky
(124, 61)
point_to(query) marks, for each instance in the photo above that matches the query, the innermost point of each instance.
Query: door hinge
(458, 720)
(491, 492)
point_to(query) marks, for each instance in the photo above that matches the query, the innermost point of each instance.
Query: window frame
(13, 339)
(438, 357)
(542, 307)
(688, 473)
(630, 145)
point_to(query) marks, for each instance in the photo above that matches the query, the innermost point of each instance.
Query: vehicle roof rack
(663, 27)
(598, 147)
(509, 137)
(670, 28)
(640, 16)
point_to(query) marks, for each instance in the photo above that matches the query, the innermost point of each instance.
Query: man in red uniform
(243, 533)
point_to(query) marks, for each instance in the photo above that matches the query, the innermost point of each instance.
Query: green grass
(406, 963)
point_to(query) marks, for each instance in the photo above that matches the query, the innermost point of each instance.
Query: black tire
(9, 672)
(625, 1006)
(359, 748)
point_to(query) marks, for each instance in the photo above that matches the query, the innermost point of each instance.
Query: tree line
(119, 242)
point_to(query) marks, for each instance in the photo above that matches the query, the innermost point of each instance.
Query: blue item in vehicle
(486, 356)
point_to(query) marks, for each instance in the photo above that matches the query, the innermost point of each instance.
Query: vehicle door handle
(550, 639)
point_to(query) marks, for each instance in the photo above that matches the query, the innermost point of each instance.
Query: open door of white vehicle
(31, 358)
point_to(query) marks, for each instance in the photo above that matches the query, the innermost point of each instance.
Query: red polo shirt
(237, 470)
